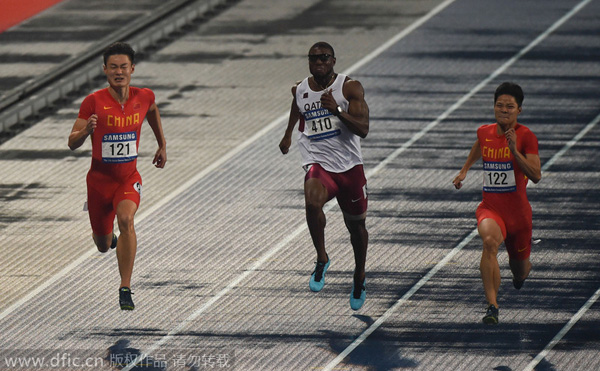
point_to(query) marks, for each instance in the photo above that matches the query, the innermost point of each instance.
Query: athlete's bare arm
(357, 117)
(286, 141)
(529, 163)
(81, 130)
(473, 157)
(153, 117)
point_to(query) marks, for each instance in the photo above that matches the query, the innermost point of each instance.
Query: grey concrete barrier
(30, 98)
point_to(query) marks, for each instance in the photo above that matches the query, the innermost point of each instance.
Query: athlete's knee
(314, 201)
(102, 244)
(356, 224)
(521, 275)
(315, 194)
(490, 244)
(313, 206)
(125, 213)
(520, 268)
(102, 248)
(126, 222)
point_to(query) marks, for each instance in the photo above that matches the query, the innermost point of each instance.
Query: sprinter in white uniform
(333, 116)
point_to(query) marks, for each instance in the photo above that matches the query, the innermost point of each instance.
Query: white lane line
(453, 252)
(141, 216)
(400, 301)
(300, 229)
(215, 298)
(572, 142)
(481, 85)
(30, 295)
(385, 46)
(362, 337)
(577, 316)
(563, 331)
(204, 172)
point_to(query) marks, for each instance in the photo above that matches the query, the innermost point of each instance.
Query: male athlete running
(113, 117)
(333, 117)
(510, 157)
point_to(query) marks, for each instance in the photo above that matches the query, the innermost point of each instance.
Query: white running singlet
(323, 138)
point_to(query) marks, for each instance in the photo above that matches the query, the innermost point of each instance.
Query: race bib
(499, 177)
(119, 147)
(321, 124)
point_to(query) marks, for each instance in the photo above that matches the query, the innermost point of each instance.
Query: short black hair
(119, 48)
(512, 89)
(323, 45)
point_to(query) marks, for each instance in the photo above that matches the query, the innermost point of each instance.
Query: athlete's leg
(491, 236)
(101, 212)
(102, 242)
(315, 196)
(127, 244)
(519, 249)
(518, 246)
(359, 237)
(520, 268)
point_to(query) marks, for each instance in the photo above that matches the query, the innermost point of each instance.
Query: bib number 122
(497, 178)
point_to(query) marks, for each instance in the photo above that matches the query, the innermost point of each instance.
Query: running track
(243, 293)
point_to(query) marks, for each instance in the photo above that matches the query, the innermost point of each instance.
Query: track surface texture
(224, 255)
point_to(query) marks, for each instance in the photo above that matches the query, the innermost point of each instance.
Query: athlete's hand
(511, 139)
(328, 102)
(284, 145)
(458, 180)
(92, 122)
(160, 158)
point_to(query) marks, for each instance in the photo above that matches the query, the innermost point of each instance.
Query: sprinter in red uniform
(510, 157)
(113, 117)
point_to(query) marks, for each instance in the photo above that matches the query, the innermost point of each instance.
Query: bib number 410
(321, 125)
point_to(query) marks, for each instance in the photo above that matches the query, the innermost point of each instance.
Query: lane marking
(406, 145)
(265, 258)
(563, 331)
(204, 172)
(395, 154)
(450, 255)
(577, 316)
(185, 186)
(481, 85)
(387, 160)
(572, 142)
(386, 45)
(300, 229)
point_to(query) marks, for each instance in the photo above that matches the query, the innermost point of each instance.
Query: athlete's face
(320, 61)
(506, 110)
(118, 70)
